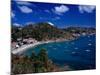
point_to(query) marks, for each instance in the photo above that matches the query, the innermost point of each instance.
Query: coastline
(25, 47)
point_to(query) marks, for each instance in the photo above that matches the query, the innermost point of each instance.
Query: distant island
(34, 34)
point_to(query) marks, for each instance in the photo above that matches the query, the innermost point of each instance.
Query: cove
(79, 54)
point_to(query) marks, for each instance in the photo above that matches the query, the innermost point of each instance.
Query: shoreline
(25, 47)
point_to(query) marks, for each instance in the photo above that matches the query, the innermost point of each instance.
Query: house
(76, 34)
(19, 39)
(29, 40)
(14, 45)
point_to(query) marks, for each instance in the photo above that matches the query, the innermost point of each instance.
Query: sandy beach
(25, 47)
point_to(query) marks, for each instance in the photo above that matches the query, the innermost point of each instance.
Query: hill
(45, 31)
(40, 31)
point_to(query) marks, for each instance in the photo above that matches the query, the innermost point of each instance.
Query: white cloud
(60, 9)
(25, 9)
(51, 23)
(12, 14)
(23, 3)
(16, 24)
(86, 8)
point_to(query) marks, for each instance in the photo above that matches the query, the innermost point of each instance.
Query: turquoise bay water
(79, 54)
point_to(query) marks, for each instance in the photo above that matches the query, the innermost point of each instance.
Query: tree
(33, 56)
(43, 57)
(33, 64)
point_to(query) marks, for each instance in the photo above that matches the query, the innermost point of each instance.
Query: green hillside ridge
(45, 31)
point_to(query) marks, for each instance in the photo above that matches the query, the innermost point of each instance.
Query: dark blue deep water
(79, 54)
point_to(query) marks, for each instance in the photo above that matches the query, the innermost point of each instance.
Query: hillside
(80, 30)
(40, 31)
(45, 31)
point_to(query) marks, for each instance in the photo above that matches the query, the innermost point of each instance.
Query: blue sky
(61, 15)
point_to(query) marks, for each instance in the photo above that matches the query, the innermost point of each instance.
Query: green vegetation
(80, 30)
(39, 31)
(44, 31)
(33, 64)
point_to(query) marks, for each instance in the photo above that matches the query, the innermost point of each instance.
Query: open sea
(79, 54)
